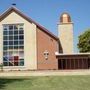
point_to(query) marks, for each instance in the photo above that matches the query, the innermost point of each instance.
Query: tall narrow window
(13, 45)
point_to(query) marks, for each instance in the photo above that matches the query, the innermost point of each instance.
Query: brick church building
(26, 45)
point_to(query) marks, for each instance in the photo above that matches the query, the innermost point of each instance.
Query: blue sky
(47, 13)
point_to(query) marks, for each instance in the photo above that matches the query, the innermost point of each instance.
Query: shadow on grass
(5, 81)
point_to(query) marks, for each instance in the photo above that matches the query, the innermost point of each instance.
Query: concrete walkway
(45, 73)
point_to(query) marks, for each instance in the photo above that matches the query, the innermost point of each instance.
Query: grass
(46, 83)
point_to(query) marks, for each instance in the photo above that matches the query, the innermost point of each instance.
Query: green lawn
(46, 83)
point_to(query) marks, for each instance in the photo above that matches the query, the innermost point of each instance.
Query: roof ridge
(27, 18)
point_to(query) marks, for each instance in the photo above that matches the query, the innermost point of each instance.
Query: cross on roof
(14, 4)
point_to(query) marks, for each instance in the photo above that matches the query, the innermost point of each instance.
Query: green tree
(84, 42)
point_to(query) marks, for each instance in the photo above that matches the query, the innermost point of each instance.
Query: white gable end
(29, 39)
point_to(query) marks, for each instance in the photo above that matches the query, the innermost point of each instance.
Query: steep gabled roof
(11, 9)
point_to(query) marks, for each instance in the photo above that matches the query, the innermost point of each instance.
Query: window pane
(5, 53)
(21, 42)
(10, 42)
(5, 59)
(16, 58)
(10, 54)
(21, 59)
(5, 37)
(21, 31)
(5, 32)
(21, 54)
(15, 53)
(11, 58)
(10, 47)
(15, 27)
(5, 63)
(10, 32)
(15, 32)
(21, 27)
(5, 42)
(11, 27)
(5, 27)
(16, 64)
(11, 63)
(21, 37)
(15, 37)
(5, 48)
(15, 42)
(15, 47)
(10, 37)
(21, 63)
(21, 47)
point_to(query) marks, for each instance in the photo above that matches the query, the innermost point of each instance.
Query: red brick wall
(46, 42)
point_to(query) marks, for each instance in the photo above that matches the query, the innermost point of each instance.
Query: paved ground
(45, 73)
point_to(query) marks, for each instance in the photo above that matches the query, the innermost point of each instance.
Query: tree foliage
(84, 42)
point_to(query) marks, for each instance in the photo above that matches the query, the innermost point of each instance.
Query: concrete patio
(44, 73)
